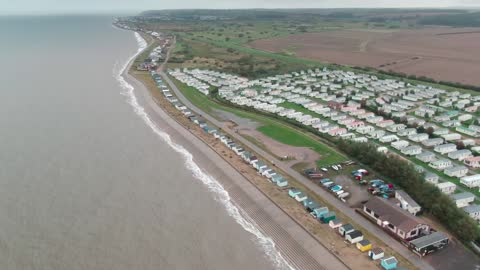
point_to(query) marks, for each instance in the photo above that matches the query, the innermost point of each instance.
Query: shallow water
(86, 182)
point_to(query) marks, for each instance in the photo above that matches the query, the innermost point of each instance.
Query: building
(365, 129)
(337, 131)
(460, 154)
(407, 203)
(400, 144)
(463, 199)
(335, 223)
(441, 164)
(376, 134)
(425, 156)
(452, 137)
(432, 142)
(445, 148)
(354, 236)
(447, 187)
(432, 178)
(471, 181)
(388, 138)
(412, 150)
(473, 211)
(293, 192)
(364, 245)
(376, 253)
(389, 263)
(396, 127)
(441, 131)
(466, 131)
(407, 132)
(429, 243)
(345, 229)
(456, 171)
(473, 162)
(393, 219)
(420, 137)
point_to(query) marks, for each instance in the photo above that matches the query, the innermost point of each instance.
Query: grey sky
(81, 6)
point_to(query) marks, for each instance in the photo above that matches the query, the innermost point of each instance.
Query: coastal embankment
(287, 244)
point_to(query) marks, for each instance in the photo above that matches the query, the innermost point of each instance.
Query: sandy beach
(298, 248)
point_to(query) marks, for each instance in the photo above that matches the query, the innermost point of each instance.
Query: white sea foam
(212, 184)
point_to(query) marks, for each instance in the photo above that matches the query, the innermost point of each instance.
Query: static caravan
(463, 199)
(418, 137)
(432, 178)
(471, 181)
(407, 132)
(441, 164)
(432, 142)
(400, 144)
(456, 171)
(473, 211)
(460, 154)
(425, 156)
(447, 187)
(412, 150)
(473, 162)
(445, 148)
(452, 137)
(388, 138)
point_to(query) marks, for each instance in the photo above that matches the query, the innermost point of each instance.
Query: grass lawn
(290, 137)
(272, 128)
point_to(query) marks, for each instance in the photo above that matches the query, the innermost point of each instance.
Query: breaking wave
(212, 184)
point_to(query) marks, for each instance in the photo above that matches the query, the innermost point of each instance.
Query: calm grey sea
(84, 182)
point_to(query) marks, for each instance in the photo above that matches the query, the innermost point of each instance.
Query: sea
(88, 180)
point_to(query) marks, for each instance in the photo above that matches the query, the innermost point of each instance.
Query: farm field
(441, 53)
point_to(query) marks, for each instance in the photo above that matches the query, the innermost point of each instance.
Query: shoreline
(288, 236)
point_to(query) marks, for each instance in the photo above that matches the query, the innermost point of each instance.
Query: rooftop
(463, 195)
(474, 208)
(392, 214)
(428, 240)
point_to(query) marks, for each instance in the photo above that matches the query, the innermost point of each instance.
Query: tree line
(400, 172)
(404, 175)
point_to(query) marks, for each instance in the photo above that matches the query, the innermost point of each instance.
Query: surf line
(221, 195)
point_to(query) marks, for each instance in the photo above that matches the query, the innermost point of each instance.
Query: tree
(430, 130)
(427, 195)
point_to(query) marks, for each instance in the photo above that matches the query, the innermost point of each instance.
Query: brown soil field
(441, 53)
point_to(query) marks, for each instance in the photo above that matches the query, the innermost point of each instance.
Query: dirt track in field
(440, 53)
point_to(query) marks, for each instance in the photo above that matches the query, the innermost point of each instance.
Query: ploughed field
(441, 53)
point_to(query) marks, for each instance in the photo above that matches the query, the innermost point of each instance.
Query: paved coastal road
(298, 248)
(312, 186)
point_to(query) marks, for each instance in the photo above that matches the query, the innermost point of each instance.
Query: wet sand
(298, 247)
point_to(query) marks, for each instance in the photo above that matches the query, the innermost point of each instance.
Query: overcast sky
(112, 6)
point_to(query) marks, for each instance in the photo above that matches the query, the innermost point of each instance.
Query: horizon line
(131, 11)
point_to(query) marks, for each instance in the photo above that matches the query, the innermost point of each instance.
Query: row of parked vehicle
(337, 190)
(375, 187)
